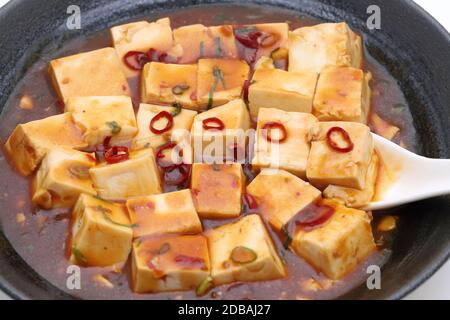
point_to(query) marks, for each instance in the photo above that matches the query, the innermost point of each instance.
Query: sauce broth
(41, 239)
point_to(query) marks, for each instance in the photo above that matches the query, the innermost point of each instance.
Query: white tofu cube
(327, 44)
(62, 177)
(342, 94)
(137, 176)
(94, 73)
(337, 246)
(217, 189)
(243, 251)
(169, 263)
(141, 36)
(355, 198)
(172, 212)
(292, 153)
(220, 81)
(179, 132)
(199, 41)
(336, 160)
(170, 83)
(101, 117)
(101, 233)
(211, 143)
(29, 142)
(280, 196)
(275, 88)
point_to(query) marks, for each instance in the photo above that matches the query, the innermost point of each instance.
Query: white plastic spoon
(416, 177)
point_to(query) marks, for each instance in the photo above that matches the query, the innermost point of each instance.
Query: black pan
(413, 46)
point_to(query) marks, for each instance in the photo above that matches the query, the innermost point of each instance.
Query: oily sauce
(39, 236)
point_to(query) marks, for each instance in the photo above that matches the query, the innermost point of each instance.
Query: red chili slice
(250, 201)
(267, 129)
(313, 215)
(267, 40)
(344, 134)
(245, 88)
(213, 124)
(160, 155)
(190, 262)
(135, 60)
(159, 116)
(106, 142)
(184, 171)
(247, 41)
(116, 154)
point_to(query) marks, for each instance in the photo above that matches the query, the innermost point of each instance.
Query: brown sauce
(41, 239)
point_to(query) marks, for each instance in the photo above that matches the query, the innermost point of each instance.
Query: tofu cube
(141, 36)
(288, 91)
(29, 142)
(342, 94)
(327, 44)
(172, 212)
(101, 117)
(137, 176)
(291, 154)
(329, 166)
(355, 198)
(62, 177)
(280, 196)
(169, 83)
(101, 233)
(278, 36)
(217, 189)
(199, 41)
(180, 130)
(243, 251)
(220, 81)
(94, 73)
(336, 247)
(211, 144)
(169, 263)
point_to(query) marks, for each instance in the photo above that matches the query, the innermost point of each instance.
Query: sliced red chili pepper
(245, 88)
(313, 215)
(213, 123)
(135, 60)
(247, 41)
(345, 136)
(106, 142)
(184, 171)
(190, 262)
(160, 155)
(250, 55)
(267, 129)
(159, 116)
(250, 201)
(267, 40)
(116, 154)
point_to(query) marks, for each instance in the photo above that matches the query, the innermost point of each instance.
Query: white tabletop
(438, 286)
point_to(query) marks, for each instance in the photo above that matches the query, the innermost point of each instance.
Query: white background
(438, 286)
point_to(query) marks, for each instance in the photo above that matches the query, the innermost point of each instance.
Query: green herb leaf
(202, 49)
(218, 77)
(243, 255)
(206, 285)
(79, 256)
(288, 239)
(219, 51)
(114, 126)
(107, 218)
(180, 89)
(177, 110)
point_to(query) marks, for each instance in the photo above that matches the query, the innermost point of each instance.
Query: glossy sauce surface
(41, 238)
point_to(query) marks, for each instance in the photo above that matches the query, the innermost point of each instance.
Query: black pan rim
(404, 290)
